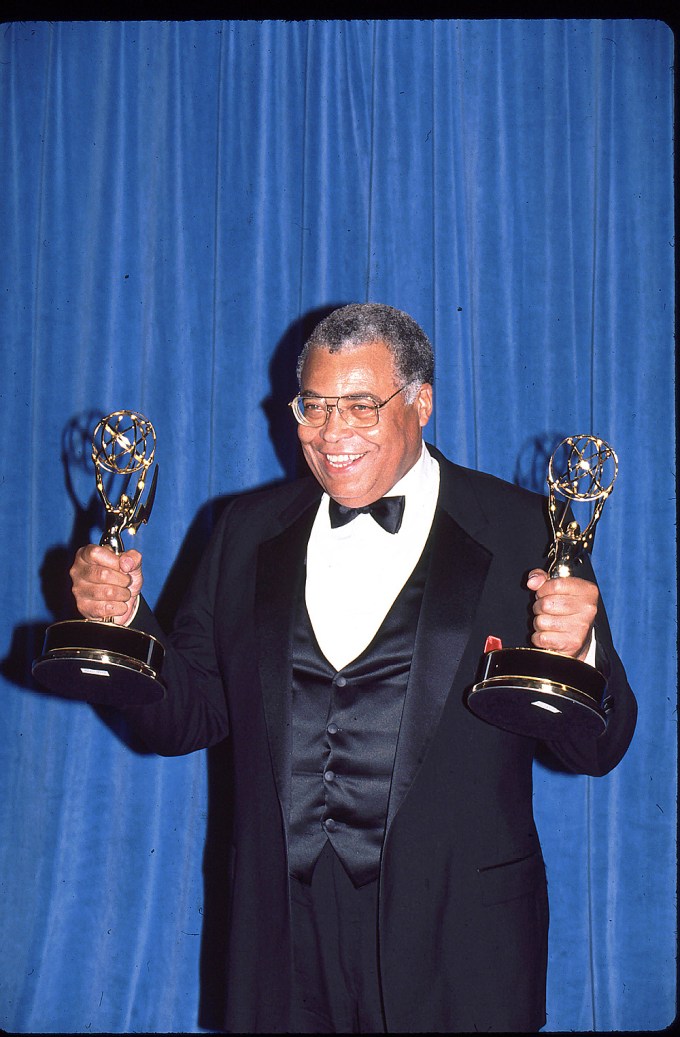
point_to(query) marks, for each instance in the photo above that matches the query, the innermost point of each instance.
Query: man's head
(373, 351)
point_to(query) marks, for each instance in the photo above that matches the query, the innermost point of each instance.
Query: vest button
(332, 729)
(340, 681)
(329, 776)
(330, 825)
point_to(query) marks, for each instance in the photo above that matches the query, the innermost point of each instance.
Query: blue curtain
(180, 201)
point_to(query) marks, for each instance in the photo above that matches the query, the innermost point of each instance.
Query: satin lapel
(458, 568)
(280, 577)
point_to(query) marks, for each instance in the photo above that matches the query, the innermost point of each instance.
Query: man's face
(357, 466)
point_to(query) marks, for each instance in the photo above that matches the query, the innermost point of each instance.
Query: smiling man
(361, 448)
(388, 875)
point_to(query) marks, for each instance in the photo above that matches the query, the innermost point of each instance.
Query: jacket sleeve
(193, 714)
(598, 755)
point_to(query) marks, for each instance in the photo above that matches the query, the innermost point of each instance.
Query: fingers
(536, 579)
(564, 613)
(106, 585)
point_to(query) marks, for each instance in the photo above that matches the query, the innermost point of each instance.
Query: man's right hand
(106, 585)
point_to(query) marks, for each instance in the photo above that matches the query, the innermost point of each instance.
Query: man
(388, 875)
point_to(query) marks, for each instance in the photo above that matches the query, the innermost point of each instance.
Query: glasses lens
(359, 412)
(309, 410)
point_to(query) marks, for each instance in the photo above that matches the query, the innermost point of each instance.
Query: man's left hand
(564, 613)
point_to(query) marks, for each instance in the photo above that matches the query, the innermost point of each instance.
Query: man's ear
(424, 403)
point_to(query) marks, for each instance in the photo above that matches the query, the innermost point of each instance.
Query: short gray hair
(360, 323)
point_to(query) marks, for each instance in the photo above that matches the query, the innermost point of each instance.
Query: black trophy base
(540, 694)
(101, 663)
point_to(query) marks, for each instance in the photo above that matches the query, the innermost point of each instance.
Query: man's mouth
(340, 461)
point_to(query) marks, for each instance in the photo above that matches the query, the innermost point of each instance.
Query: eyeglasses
(358, 410)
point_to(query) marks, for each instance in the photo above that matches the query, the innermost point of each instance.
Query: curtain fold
(181, 201)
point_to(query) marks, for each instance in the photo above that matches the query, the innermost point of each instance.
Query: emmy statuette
(542, 693)
(96, 660)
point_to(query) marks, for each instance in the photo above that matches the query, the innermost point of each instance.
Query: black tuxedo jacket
(463, 908)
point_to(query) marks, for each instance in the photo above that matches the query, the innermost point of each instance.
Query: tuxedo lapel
(279, 580)
(457, 571)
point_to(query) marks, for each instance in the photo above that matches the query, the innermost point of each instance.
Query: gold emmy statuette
(542, 693)
(95, 660)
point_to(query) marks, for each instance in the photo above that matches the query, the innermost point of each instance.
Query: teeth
(341, 459)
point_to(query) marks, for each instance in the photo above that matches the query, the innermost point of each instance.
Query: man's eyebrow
(344, 396)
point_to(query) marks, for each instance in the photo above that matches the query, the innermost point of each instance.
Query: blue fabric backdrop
(179, 201)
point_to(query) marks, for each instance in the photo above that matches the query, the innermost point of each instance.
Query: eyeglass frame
(348, 396)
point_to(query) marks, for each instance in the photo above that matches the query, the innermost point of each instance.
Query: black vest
(345, 730)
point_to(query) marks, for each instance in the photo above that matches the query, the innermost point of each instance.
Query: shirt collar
(422, 476)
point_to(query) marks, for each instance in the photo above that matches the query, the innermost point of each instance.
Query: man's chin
(349, 496)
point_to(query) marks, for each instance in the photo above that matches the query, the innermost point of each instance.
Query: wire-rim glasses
(358, 410)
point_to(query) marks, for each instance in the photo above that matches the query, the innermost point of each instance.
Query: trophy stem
(111, 538)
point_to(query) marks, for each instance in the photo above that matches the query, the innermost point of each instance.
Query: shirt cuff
(590, 657)
(136, 609)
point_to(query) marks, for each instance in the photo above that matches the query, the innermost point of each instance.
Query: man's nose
(335, 427)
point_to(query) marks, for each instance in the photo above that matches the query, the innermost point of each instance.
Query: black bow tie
(387, 512)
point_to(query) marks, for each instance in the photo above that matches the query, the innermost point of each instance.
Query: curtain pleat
(181, 201)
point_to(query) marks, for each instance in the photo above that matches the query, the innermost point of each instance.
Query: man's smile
(341, 460)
